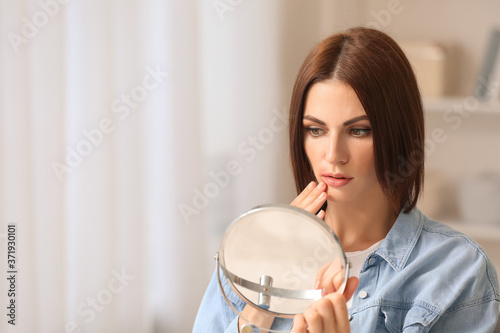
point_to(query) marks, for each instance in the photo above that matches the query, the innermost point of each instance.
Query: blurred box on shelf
(430, 62)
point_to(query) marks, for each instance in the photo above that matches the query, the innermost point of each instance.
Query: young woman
(357, 150)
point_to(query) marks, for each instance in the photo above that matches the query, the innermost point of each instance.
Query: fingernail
(322, 195)
(322, 186)
(316, 285)
(311, 185)
(323, 293)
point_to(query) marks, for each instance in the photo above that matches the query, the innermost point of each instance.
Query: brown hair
(376, 68)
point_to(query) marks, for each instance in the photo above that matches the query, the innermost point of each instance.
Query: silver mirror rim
(227, 274)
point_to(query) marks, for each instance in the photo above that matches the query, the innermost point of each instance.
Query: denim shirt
(424, 277)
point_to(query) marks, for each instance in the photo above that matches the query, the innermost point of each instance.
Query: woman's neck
(362, 225)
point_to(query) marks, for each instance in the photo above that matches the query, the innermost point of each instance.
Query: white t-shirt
(357, 259)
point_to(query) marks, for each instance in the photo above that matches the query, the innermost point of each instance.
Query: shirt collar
(401, 239)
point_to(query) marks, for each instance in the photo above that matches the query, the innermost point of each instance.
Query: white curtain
(131, 135)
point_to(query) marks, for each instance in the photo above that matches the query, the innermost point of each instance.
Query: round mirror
(270, 257)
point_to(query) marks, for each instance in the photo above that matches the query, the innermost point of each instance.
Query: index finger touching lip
(316, 194)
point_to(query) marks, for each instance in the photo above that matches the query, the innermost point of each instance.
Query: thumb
(350, 288)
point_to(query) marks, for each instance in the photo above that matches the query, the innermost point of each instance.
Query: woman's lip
(335, 182)
(335, 175)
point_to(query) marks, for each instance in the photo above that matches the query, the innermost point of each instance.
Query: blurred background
(132, 134)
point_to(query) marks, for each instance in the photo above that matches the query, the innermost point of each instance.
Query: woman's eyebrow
(353, 120)
(346, 123)
(316, 120)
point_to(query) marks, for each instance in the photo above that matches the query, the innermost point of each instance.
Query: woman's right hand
(329, 314)
(312, 198)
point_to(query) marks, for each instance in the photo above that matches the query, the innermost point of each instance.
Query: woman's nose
(337, 152)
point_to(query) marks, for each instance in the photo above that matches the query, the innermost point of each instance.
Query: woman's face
(339, 144)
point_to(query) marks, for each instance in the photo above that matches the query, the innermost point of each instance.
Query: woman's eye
(360, 132)
(314, 131)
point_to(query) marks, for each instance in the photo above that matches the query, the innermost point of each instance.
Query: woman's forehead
(333, 101)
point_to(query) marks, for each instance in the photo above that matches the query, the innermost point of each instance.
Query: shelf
(477, 232)
(457, 103)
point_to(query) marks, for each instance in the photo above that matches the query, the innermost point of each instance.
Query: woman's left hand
(328, 314)
(312, 198)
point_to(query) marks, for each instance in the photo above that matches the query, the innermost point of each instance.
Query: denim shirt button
(362, 294)
(371, 261)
